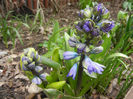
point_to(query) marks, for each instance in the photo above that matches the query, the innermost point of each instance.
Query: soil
(13, 84)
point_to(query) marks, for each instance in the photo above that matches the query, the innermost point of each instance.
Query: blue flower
(100, 8)
(70, 55)
(81, 14)
(73, 71)
(36, 80)
(86, 26)
(31, 65)
(92, 66)
(43, 76)
(95, 32)
(107, 26)
(38, 69)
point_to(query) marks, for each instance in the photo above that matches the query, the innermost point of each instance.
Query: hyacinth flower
(86, 13)
(92, 66)
(38, 80)
(100, 12)
(73, 41)
(29, 61)
(73, 71)
(107, 26)
(70, 55)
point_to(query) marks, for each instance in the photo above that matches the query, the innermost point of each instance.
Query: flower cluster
(93, 25)
(29, 62)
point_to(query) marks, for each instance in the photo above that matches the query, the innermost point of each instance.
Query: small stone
(33, 88)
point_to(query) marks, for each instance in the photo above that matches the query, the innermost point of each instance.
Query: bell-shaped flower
(73, 71)
(106, 26)
(36, 80)
(70, 55)
(92, 66)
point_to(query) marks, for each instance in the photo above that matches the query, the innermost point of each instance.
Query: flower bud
(31, 66)
(43, 76)
(87, 12)
(36, 80)
(38, 69)
(70, 55)
(87, 49)
(96, 50)
(72, 41)
(80, 47)
(24, 68)
(106, 26)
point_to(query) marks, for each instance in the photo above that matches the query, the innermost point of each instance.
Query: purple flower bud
(70, 55)
(73, 71)
(31, 65)
(95, 32)
(72, 41)
(80, 47)
(81, 14)
(37, 80)
(79, 26)
(26, 60)
(38, 69)
(100, 8)
(107, 26)
(86, 28)
(92, 66)
(43, 76)
(24, 68)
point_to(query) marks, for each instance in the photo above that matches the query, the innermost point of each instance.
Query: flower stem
(80, 71)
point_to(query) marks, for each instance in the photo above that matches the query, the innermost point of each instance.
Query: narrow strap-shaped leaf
(44, 60)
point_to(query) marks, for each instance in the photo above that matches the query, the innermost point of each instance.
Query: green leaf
(68, 89)
(49, 62)
(54, 35)
(56, 55)
(118, 55)
(56, 85)
(17, 33)
(56, 94)
(123, 63)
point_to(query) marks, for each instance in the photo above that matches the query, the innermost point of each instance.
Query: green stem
(80, 71)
